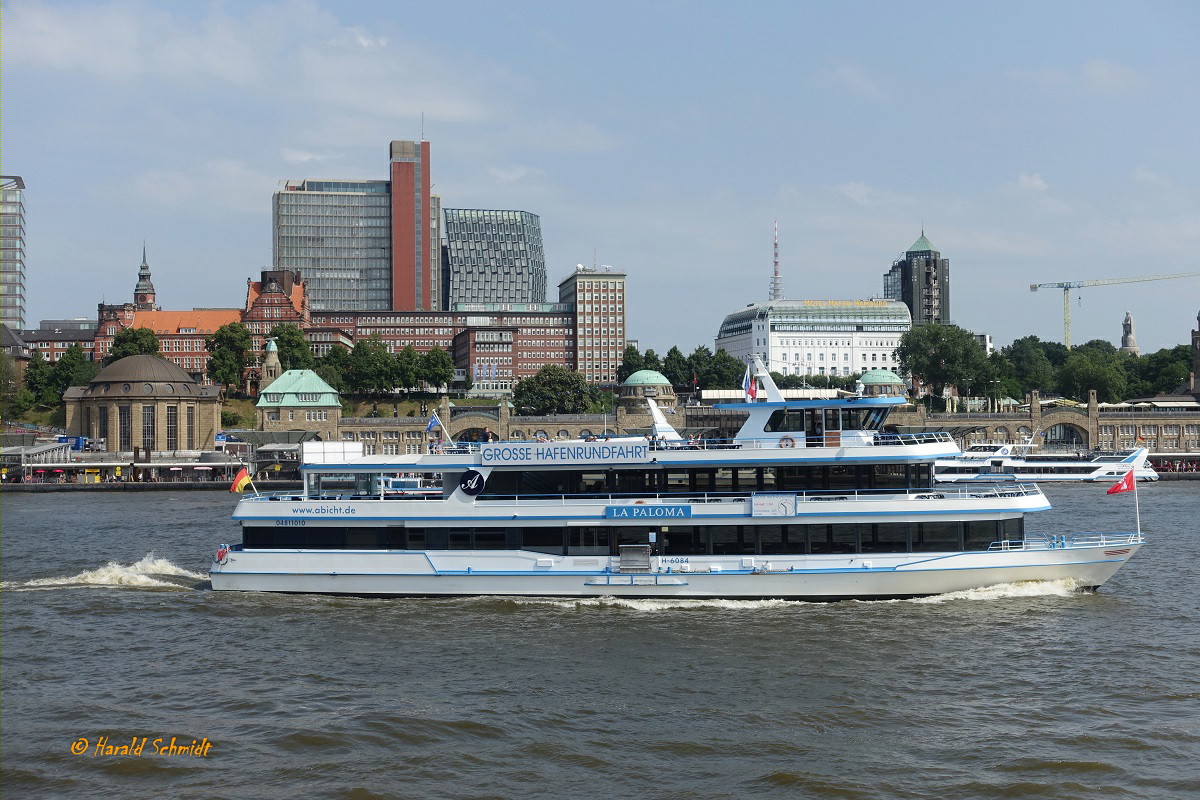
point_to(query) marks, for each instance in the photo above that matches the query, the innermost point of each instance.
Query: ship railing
(700, 498)
(1044, 541)
(833, 439)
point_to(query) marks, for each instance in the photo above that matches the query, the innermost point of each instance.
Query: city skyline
(1030, 144)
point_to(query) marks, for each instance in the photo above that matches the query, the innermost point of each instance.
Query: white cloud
(222, 184)
(514, 173)
(1107, 77)
(1032, 182)
(1150, 178)
(851, 77)
(293, 156)
(1096, 76)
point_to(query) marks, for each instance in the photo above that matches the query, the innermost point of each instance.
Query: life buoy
(222, 553)
(787, 441)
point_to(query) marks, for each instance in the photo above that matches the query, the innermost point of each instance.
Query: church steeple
(143, 293)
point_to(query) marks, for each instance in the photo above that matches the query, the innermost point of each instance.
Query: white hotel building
(818, 337)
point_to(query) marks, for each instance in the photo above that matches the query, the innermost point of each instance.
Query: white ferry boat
(810, 499)
(989, 463)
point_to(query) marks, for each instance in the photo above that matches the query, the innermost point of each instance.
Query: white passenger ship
(989, 463)
(809, 500)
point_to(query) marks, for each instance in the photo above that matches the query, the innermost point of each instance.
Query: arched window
(518, 435)
(584, 433)
(564, 434)
(542, 435)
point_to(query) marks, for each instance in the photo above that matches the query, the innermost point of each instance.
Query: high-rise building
(12, 252)
(921, 280)
(599, 299)
(414, 255)
(494, 256)
(337, 235)
(363, 245)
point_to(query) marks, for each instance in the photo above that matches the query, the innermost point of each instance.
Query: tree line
(946, 355)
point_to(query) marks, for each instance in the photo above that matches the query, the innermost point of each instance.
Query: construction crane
(1067, 286)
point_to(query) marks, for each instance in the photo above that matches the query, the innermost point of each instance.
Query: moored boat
(1025, 462)
(810, 499)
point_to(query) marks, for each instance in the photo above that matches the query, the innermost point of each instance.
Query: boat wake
(149, 573)
(1006, 591)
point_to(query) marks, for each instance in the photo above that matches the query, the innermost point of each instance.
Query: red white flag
(1123, 485)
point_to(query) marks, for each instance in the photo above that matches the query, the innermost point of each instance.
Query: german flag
(240, 481)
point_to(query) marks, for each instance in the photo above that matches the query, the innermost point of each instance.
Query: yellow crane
(1067, 286)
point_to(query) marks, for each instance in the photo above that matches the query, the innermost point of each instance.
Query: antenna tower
(777, 279)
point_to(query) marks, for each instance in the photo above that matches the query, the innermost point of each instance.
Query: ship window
(590, 541)
(543, 540)
(1012, 529)
(489, 539)
(978, 534)
(785, 420)
(842, 477)
(884, 537)
(684, 541)
(937, 536)
(771, 540)
(888, 476)
(459, 539)
(363, 538)
(732, 540)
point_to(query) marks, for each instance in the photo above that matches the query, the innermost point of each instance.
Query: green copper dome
(921, 245)
(646, 377)
(875, 377)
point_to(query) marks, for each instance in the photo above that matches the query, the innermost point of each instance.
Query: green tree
(229, 350)
(372, 368)
(943, 355)
(1158, 373)
(1031, 367)
(294, 349)
(334, 366)
(1093, 368)
(436, 368)
(132, 342)
(724, 372)
(15, 399)
(38, 379)
(408, 368)
(72, 369)
(631, 362)
(651, 361)
(697, 367)
(675, 368)
(553, 390)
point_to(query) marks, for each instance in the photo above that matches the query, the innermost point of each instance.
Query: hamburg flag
(750, 386)
(240, 480)
(1123, 485)
(434, 422)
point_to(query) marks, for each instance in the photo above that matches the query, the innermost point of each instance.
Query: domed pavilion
(646, 383)
(883, 383)
(144, 401)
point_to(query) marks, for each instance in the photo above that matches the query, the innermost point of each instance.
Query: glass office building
(337, 235)
(12, 252)
(494, 256)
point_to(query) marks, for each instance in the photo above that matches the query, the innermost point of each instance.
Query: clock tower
(143, 293)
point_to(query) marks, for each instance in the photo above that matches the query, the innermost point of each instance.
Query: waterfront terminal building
(817, 337)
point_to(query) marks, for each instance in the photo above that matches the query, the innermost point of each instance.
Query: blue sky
(1035, 142)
